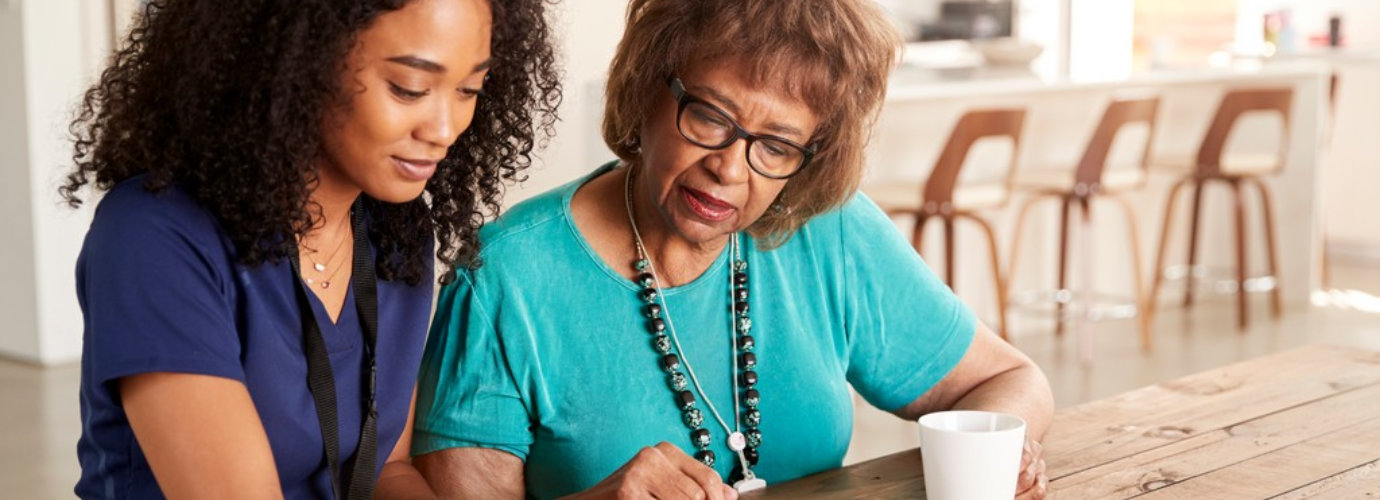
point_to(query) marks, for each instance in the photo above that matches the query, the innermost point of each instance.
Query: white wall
(17, 301)
(50, 49)
(1041, 21)
(1100, 35)
(1352, 173)
(1094, 43)
(589, 31)
(58, 39)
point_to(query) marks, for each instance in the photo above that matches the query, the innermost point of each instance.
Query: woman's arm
(661, 471)
(202, 436)
(993, 376)
(473, 473)
(399, 479)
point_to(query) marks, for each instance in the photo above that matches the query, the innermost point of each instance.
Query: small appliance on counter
(969, 19)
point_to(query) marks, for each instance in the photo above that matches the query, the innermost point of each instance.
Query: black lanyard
(359, 483)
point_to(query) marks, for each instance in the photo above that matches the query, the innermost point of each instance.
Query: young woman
(256, 283)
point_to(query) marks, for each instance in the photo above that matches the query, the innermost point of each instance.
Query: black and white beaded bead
(670, 363)
(747, 363)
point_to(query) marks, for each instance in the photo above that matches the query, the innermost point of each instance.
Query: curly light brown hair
(834, 55)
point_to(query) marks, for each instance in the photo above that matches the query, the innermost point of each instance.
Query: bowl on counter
(1007, 51)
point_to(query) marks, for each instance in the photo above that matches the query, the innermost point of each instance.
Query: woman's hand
(662, 471)
(1032, 482)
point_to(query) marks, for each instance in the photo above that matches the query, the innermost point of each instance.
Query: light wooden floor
(40, 422)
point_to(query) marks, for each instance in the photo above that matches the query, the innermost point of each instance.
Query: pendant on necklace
(736, 441)
(320, 268)
(324, 284)
(749, 484)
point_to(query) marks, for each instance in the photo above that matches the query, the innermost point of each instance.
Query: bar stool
(1234, 171)
(941, 196)
(1091, 179)
(1328, 138)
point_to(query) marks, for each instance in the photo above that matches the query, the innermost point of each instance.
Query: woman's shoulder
(131, 209)
(541, 219)
(857, 218)
(530, 215)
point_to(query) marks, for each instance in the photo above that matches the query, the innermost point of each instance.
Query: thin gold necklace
(330, 260)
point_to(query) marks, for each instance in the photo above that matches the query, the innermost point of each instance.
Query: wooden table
(1298, 424)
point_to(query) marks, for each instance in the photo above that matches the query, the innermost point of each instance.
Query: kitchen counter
(923, 105)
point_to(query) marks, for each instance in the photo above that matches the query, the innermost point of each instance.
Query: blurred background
(1312, 261)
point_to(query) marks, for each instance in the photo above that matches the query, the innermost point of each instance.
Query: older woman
(695, 313)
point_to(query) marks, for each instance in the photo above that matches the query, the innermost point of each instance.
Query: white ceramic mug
(971, 455)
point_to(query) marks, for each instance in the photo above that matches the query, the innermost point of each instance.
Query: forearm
(1022, 391)
(473, 473)
(201, 436)
(401, 481)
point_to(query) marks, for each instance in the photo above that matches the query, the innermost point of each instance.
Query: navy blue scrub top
(161, 291)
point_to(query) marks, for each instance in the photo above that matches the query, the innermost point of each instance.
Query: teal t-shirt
(543, 352)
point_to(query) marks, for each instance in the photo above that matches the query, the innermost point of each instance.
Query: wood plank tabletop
(1303, 423)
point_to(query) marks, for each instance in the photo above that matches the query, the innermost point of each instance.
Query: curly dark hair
(226, 98)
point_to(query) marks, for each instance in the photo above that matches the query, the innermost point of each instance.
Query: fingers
(695, 480)
(1032, 481)
(1026, 478)
(660, 473)
(653, 474)
(1038, 491)
(663, 471)
(730, 493)
(1042, 482)
(707, 484)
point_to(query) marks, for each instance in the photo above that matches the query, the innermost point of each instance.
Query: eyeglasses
(709, 127)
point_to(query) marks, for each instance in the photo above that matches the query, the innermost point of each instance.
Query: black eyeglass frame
(684, 98)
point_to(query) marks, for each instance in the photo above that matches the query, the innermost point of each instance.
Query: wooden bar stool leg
(1276, 295)
(1063, 265)
(997, 277)
(1087, 257)
(949, 254)
(1157, 272)
(1190, 279)
(1242, 300)
(1146, 340)
(1326, 264)
(1016, 239)
(917, 234)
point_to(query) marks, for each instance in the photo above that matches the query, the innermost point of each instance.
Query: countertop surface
(910, 83)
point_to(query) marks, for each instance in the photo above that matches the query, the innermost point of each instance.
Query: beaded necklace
(659, 324)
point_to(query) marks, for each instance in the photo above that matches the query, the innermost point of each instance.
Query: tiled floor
(39, 421)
